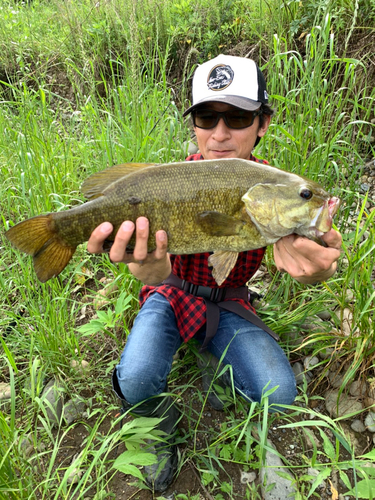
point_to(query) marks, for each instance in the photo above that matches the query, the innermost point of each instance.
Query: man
(230, 114)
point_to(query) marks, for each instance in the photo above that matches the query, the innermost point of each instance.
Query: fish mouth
(322, 222)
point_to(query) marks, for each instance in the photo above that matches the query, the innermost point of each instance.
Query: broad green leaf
(135, 457)
(130, 469)
(364, 489)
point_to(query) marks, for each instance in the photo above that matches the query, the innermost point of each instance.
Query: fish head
(297, 206)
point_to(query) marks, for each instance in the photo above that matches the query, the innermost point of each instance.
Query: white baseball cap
(233, 80)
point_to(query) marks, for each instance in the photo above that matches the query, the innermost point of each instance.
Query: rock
(335, 379)
(73, 410)
(76, 473)
(315, 473)
(357, 388)
(52, 399)
(351, 438)
(248, 477)
(346, 318)
(326, 352)
(310, 362)
(190, 148)
(283, 487)
(358, 426)
(349, 295)
(5, 391)
(325, 315)
(310, 439)
(298, 372)
(103, 296)
(28, 448)
(79, 366)
(370, 421)
(345, 406)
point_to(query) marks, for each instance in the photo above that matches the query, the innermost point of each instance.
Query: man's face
(224, 142)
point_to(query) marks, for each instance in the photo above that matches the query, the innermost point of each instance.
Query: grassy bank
(87, 85)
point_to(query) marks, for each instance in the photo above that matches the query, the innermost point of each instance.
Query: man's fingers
(118, 250)
(333, 239)
(161, 244)
(98, 236)
(140, 248)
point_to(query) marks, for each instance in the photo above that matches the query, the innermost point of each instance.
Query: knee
(139, 382)
(280, 391)
(284, 394)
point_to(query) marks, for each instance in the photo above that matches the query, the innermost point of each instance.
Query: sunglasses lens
(239, 119)
(207, 118)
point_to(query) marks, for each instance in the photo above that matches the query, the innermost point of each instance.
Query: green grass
(88, 85)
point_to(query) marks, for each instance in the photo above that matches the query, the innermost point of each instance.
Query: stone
(325, 315)
(349, 295)
(5, 391)
(79, 366)
(335, 379)
(73, 410)
(248, 477)
(345, 406)
(282, 488)
(103, 296)
(298, 372)
(310, 439)
(76, 473)
(346, 318)
(326, 352)
(310, 362)
(28, 447)
(357, 388)
(192, 148)
(370, 421)
(358, 426)
(315, 473)
(52, 399)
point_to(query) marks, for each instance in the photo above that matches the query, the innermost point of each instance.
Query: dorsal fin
(94, 185)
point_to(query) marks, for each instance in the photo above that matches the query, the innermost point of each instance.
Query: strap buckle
(212, 294)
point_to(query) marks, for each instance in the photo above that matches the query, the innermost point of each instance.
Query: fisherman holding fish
(230, 114)
(194, 295)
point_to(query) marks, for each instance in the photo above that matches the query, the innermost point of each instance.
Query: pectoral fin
(218, 224)
(94, 185)
(222, 263)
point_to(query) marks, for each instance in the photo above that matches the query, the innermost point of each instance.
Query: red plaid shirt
(190, 311)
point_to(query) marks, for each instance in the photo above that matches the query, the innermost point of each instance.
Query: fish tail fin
(38, 237)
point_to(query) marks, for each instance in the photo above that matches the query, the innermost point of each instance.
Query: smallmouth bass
(222, 206)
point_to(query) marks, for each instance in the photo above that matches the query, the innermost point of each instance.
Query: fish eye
(306, 193)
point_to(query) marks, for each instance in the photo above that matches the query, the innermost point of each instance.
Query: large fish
(222, 206)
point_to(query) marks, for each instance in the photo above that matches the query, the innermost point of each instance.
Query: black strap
(213, 307)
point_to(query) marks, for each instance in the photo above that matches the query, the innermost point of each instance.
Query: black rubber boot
(211, 367)
(159, 475)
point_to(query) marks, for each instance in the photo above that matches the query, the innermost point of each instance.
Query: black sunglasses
(237, 119)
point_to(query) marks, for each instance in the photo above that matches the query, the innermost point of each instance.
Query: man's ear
(266, 120)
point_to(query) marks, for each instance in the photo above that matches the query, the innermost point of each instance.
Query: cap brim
(237, 101)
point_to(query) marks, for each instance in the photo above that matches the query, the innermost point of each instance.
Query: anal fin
(222, 263)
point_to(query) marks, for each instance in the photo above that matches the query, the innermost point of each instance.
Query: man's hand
(150, 268)
(305, 260)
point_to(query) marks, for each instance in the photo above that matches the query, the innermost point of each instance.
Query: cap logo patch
(220, 77)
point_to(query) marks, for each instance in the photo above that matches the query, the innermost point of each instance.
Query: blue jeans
(256, 358)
